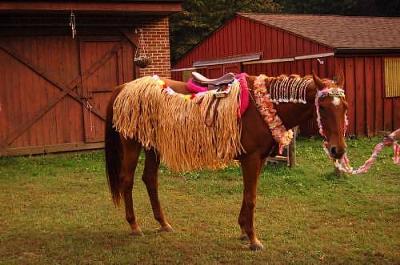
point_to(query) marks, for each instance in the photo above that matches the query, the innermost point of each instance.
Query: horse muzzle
(336, 152)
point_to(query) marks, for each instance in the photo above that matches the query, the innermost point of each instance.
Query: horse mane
(292, 88)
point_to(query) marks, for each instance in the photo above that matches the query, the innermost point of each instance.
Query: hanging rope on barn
(141, 58)
(72, 24)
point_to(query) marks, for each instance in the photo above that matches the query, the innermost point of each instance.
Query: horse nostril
(333, 150)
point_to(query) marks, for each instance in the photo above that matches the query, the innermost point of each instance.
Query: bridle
(332, 92)
(343, 164)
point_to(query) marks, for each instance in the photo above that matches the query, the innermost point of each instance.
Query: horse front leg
(251, 167)
(150, 178)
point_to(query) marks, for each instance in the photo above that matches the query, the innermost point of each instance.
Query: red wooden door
(115, 69)
(53, 85)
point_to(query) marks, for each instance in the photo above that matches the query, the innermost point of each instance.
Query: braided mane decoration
(284, 89)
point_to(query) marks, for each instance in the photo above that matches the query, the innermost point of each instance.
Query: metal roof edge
(232, 59)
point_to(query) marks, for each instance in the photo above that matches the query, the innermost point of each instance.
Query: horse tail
(113, 152)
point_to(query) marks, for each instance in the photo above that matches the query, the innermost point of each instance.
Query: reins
(343, 164)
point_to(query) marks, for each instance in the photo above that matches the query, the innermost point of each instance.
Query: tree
(343, 7)
(201, 17)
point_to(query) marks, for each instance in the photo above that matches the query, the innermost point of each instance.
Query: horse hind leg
(150, 178)
(131, 151)
(251, 167)
(242, 215)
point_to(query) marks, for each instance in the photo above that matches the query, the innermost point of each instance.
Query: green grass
(56, 209)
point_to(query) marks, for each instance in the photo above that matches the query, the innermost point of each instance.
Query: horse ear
(318, 82)
(340, 79)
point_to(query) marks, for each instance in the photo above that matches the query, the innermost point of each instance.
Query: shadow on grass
(114, 247)
(81, 245)
(333, 176)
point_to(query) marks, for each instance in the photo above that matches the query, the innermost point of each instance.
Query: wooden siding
(244, 36)
(369, 110)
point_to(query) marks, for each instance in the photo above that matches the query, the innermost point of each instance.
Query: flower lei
(343, 164)
(266, 108)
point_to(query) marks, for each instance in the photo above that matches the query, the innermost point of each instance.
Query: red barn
(54, 86)
(366, 49)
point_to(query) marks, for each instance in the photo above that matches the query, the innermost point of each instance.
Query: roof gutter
(365, 51)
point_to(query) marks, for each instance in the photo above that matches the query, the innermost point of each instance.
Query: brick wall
(156, 42)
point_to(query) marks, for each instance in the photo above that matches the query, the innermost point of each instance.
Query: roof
(164, 7)
(340, 32)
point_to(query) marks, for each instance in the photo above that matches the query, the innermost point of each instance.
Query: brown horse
(122, 154)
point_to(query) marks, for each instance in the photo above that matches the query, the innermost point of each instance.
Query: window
(392, 77)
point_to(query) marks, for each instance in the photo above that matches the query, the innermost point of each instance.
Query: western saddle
(218, 84)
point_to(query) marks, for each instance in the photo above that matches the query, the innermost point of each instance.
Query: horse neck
(294, 114)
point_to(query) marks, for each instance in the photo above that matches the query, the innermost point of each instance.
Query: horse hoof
(244, 237)
(256, 246)
(137, 233)
(165, 228)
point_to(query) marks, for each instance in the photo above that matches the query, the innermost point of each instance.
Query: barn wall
(370, 112)
(38, 66)
(243, 36)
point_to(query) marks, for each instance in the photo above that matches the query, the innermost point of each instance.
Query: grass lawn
(56, 209)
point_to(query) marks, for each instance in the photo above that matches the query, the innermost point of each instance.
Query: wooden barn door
(54, 90)
(98, 87)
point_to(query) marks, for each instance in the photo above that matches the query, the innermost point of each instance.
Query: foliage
(56, 209)
(343, 7)
(201, 17)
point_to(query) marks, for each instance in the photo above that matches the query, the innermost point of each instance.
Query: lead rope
(343, 164)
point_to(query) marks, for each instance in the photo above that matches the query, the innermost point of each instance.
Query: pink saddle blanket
(244, 90)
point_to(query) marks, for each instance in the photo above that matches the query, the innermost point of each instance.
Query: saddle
(212, 84)
(218, 84)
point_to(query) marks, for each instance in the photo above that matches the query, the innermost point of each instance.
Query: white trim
(184, 69)
(279, 60)
(312, 56)
(292, 59)
(250, 59)
(235, 59)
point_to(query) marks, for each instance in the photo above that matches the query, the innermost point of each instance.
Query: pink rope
(396, 150)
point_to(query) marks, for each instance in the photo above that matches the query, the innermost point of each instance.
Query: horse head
(331, 107)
